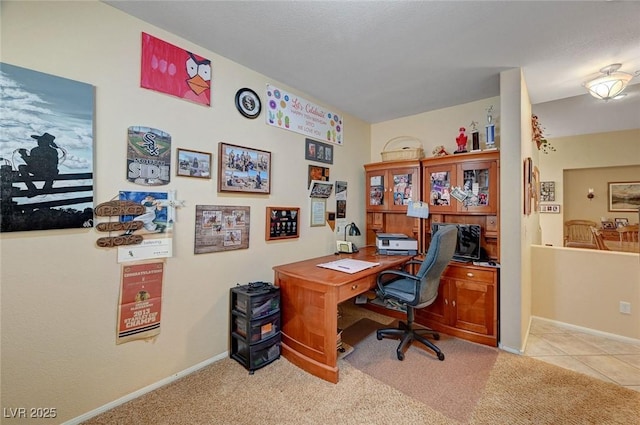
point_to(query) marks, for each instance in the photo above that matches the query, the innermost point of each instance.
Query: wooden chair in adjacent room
(577, 234)
(628, 233)
(598, 239)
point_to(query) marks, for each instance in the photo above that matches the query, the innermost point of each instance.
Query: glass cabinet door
(437, 190)
(477, 181)
(402, 183)
(376, 186)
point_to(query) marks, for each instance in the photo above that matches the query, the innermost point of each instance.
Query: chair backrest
(628, 233)
(439, 254)
(577, 233)
(599, 240)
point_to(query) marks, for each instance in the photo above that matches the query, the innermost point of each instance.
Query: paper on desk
(347, 265)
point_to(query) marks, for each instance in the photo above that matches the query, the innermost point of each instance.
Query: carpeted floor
(502, 389)
(462, 376)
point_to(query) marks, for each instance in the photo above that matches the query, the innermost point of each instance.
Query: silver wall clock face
(248, 103)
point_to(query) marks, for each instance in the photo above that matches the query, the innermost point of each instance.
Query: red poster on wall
(170, 69)
(140, 301)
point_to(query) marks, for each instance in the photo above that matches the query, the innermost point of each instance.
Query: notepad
(348, 265)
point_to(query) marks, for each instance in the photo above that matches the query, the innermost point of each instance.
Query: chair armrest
(410, 262)
(383, 277)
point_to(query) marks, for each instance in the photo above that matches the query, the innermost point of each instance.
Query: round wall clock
(248, 103)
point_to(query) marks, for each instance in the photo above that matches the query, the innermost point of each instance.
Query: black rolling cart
(255, 324)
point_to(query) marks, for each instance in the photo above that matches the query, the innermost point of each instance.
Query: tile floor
(610, 360)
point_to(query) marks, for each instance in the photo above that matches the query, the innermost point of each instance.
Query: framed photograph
(242, 169)
(621, 222)
(547, 191)
(608, 225)
(535, 188)
(318, 209)
(282, 223)
(318, 151)
(550, 208)
(317, 173)
(248, 103)
(320, 189)
(221, 228)
(194, 163)
(624, 196)
(527, 179)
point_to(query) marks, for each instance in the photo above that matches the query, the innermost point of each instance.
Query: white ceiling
(380, 60)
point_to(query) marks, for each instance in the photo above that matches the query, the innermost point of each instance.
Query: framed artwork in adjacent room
(282, 223)
(194, 163)
(624, 196)
(242, 169)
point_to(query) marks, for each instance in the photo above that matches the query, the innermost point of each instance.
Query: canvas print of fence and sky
(46, 151)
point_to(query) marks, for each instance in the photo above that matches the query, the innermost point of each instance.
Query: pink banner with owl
(172, 70)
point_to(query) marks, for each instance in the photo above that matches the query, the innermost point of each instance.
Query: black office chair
(417, 291)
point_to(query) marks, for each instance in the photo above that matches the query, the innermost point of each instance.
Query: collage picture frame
(243, 169)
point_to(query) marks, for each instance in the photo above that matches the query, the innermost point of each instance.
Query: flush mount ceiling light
(609, 85)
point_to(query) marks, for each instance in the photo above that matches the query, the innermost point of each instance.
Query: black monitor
(468, 243)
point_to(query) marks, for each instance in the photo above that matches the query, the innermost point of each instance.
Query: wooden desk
(309, 298)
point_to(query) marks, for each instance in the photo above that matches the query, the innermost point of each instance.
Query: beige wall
(584, 287)
(436, 128)
(576, 184)
(511, 112)
(60, 292)
(59, 315)
(590, 151)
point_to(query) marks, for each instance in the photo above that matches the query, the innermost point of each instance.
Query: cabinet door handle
(469, 274)
(453, 303)
(446, 301)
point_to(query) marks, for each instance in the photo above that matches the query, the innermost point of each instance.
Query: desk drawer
(470, 274)
(352, 289)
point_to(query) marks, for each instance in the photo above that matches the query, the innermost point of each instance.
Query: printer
(396, 244)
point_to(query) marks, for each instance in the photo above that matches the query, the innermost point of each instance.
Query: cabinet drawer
(352, 289)
(470, 274)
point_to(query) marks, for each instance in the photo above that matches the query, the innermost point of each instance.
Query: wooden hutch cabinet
(467, 304)
(389, 187)
(463, 189)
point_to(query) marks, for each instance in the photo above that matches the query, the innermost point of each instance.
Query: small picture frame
(317, 173)
(608, 225)
(318, 210)
(193, 163)
(318, 151)
(282, 223)
(320, 189)
(242, 169)
(547, 191)
(621, 222)
(550, 208)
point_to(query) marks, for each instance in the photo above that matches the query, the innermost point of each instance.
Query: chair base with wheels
(407, 334)
(417, 290)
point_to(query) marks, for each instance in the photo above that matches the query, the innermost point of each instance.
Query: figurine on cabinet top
(461, 141)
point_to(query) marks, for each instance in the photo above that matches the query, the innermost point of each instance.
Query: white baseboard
(590, 331)
(145, 390)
